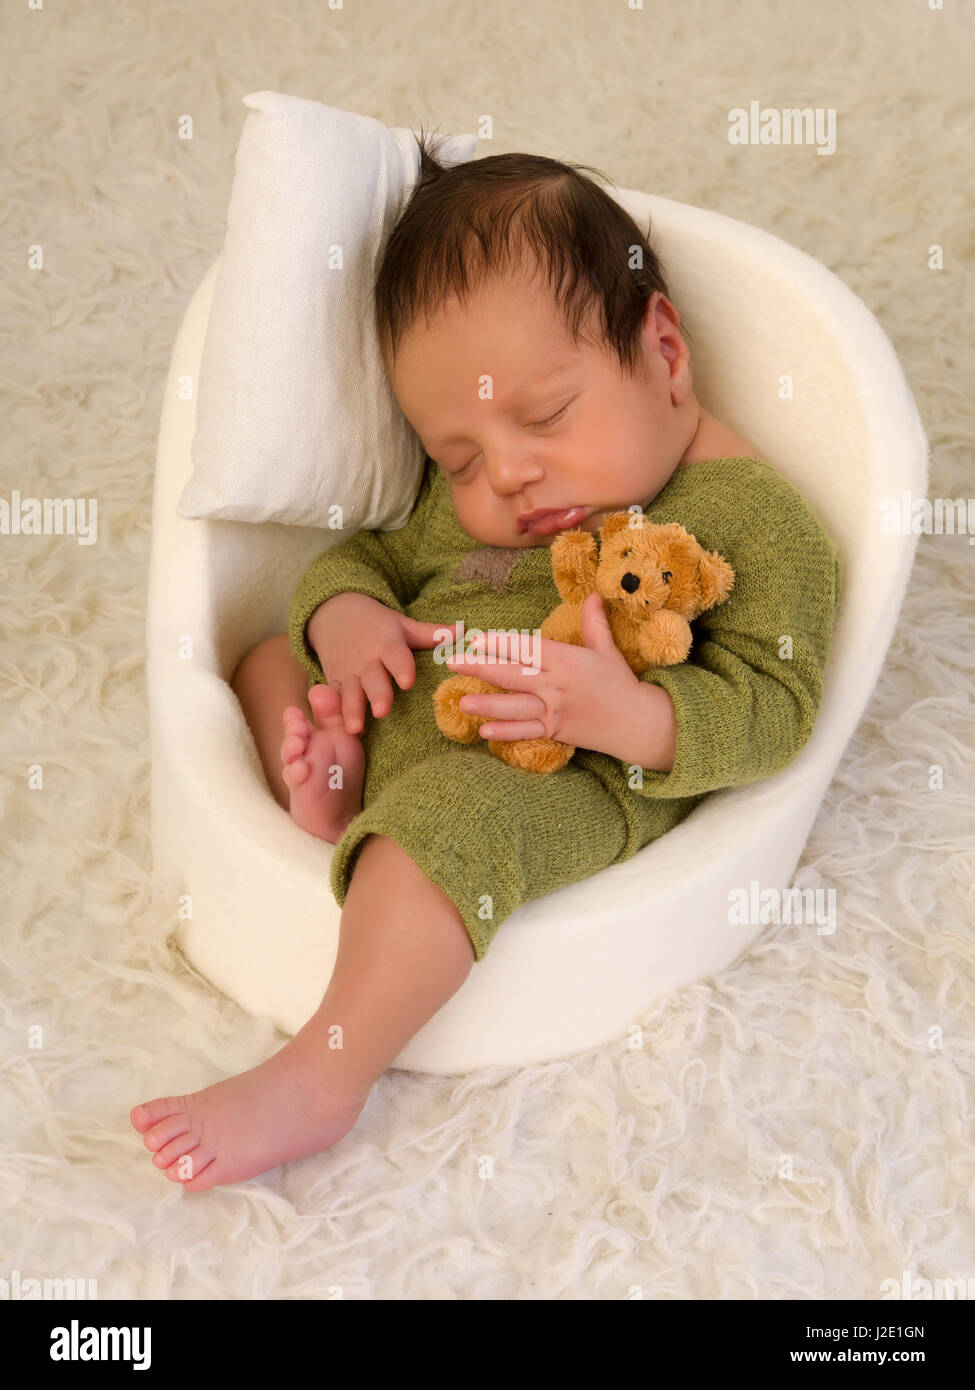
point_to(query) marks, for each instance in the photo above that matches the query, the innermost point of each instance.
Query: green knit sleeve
(380, 564)
(747, 697)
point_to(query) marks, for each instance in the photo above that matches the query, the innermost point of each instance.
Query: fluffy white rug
(798, 1128)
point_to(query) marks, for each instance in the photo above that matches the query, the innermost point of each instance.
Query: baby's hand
(567, 697)
(360, 644)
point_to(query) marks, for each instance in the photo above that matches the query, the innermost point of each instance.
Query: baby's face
(519, 419)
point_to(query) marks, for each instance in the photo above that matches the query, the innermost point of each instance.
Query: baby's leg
(403, 952)
(272, 688)
(269, 679)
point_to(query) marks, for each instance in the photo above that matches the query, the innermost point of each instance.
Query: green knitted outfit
(493, 836)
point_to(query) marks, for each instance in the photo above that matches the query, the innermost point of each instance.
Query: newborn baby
(543, 367)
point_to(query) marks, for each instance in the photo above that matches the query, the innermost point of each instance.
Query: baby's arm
(746, 699)
(380, 564)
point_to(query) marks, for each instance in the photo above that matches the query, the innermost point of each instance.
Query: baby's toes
(189, 1167)
(176, 1148)
(150, 1112)
(295, 720)
(325, 701)
(297, 731)
(297, 773)
(170, 1128)
(293, 747)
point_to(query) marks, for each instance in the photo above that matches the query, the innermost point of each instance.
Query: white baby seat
(784, 352)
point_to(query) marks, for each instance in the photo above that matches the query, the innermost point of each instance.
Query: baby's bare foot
(316, 756)
(276, 1112)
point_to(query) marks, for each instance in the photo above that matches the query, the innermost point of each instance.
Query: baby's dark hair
(466, 221)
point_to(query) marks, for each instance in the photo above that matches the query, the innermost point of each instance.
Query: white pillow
(294, 409)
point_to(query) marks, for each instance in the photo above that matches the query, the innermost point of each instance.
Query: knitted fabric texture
(745, 700)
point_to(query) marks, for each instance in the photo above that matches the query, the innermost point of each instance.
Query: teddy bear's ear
(715, 578)
(619, 521)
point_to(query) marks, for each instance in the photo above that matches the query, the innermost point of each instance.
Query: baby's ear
(715, 578)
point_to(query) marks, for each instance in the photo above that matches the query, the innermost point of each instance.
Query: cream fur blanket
(797, 1128)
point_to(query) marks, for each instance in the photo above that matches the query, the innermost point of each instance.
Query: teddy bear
(653, 579)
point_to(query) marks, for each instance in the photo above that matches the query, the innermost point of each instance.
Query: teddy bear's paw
(671, 653)
(452, 721)
(534, 754)
(666, 638)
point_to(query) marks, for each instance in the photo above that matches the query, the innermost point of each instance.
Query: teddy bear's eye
(627, 552)
(666, 575)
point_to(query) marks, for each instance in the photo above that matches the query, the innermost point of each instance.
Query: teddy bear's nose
(630, 582)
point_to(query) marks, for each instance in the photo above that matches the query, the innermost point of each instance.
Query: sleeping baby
(533, 346)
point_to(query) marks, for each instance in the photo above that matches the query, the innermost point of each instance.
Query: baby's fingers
(420, 634)
(398, 661)
(376, 683)
(353, 705)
